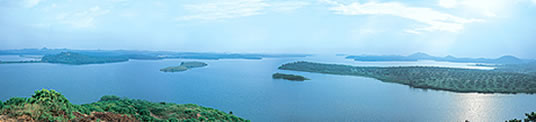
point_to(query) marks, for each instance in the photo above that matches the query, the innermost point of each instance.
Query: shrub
(15, 101)
(173, 120)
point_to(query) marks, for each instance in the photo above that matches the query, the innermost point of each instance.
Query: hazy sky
(475, 28)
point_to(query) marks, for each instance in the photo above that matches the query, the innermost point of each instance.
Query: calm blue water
(246, 88)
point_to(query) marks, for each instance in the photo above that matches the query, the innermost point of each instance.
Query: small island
(438, 78)
(184, 66)
(289, 77)
(49, 105)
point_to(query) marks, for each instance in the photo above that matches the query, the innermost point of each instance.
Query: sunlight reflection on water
(476, 107)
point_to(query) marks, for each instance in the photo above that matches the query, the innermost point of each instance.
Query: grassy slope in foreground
(78, 59)
(49, 105)
(184, 66)
(450, 79)
(288, 77)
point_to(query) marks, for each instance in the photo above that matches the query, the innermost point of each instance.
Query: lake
(246, 88)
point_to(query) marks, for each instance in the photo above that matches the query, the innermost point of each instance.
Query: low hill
(423, 56)
(49, 105)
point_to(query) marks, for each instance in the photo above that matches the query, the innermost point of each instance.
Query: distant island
(184, 66)
(288, 77)
(439, 78)
(424, 56)
(77, 59)
(49, 105)
(19, 62)
(31, 56)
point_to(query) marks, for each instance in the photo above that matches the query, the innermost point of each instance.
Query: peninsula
(77, 59)
(439, 78)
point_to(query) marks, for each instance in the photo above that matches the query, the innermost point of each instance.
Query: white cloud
(448, 3)
(82, 19)
(488, 8)
(413, 31)
(31, 3)
(39, 25)
(288, 6)
(433, 20)
(226, 9)
(49, 7)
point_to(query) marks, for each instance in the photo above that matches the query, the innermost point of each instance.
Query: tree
(15, 101)
(109, 98)
(531, 117)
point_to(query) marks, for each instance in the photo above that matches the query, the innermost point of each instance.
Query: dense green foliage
(49, 105)
(77, 59)
(531, 117)
(450, 79)
(184, 66)
(423, 56)
(288, 77)
(149, 111)
(43, 105)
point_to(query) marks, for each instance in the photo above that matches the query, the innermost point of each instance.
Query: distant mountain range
(136, 54)
(423, 56)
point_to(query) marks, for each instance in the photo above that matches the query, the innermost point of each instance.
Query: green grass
(449, 79)
(49, 105)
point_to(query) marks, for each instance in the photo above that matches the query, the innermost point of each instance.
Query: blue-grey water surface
(246, 88)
